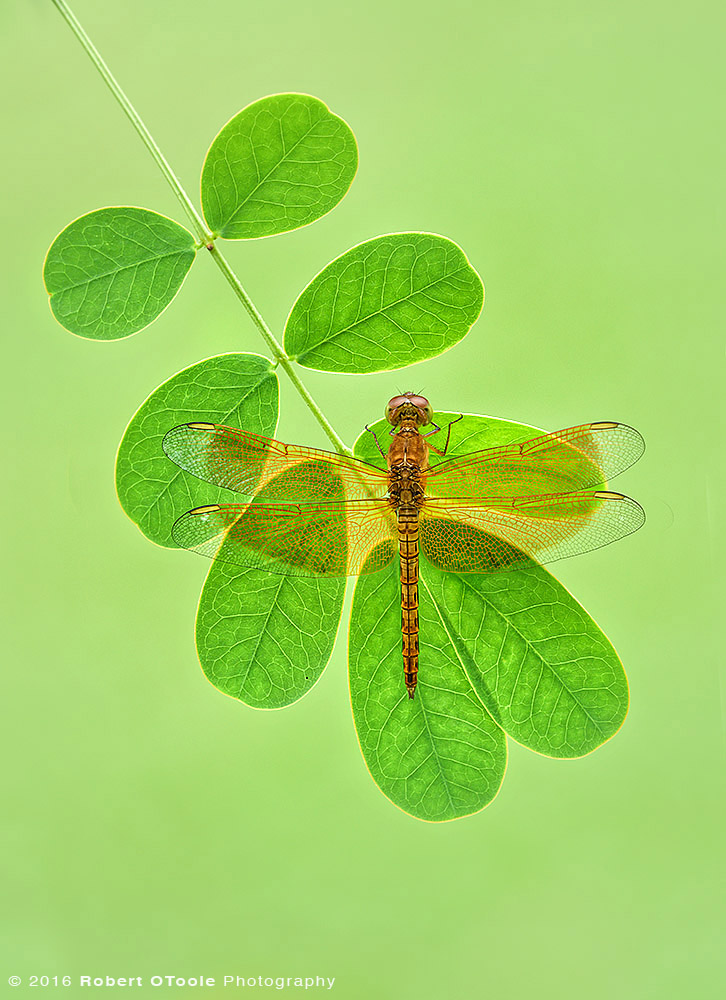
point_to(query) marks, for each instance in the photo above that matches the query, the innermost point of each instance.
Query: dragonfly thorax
(406, 488)
(407, 458)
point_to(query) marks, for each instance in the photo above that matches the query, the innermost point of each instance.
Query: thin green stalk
(198, 223)
(134, 118)
(275, 348)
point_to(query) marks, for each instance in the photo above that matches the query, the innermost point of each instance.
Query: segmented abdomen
(408, 552)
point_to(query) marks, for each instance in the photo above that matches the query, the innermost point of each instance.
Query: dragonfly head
(409, 406)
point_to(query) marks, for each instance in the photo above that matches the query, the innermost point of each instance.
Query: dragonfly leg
(448, 435)
(376, 440)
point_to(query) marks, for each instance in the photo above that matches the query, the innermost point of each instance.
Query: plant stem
(134, 118)
(197, 222)
(275, 348)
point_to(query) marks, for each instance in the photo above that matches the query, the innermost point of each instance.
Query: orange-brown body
(407, 465)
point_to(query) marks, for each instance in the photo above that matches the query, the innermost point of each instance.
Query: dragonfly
(319, 514)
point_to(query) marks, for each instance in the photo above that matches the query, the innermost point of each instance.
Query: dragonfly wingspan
(463, 538)
(561, 462)
(485, 511)
(248, 463)
(305, 539)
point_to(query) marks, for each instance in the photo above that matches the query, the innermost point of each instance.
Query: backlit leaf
(112, 272)
(263, 638)
(389, 302)
(535, 658)
(236, 389)
(279, 164)
(440, 755)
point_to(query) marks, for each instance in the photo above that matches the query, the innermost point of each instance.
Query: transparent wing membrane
(562, 462)
(246, 463)
(305, 539)
(316, 513)
(480, 539)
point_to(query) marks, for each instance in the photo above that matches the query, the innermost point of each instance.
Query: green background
(158, 827)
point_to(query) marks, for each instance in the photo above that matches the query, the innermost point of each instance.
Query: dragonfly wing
(561, 462)
(479, 539)
(246, 463)
(305, 539)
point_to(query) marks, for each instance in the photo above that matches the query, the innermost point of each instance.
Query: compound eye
(397, 401)
(420, 401)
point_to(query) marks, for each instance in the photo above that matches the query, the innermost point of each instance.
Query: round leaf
(441, 755)
(533, 655)
(236, 389)
(112, 272)
(279, 164)
(386, 303)
(263, 638)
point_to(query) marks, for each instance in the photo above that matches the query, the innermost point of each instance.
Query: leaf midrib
(273, 604)
(231, 219)
(528, 645)
(383, 611)
(329, 338)
(119, 270)
(435, 752)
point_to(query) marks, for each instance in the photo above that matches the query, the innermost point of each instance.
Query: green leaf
(111, 272)
(441, 755)
(263, 638)
(386, 303)
(534, 658)
(236, 389)
(279, 164)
